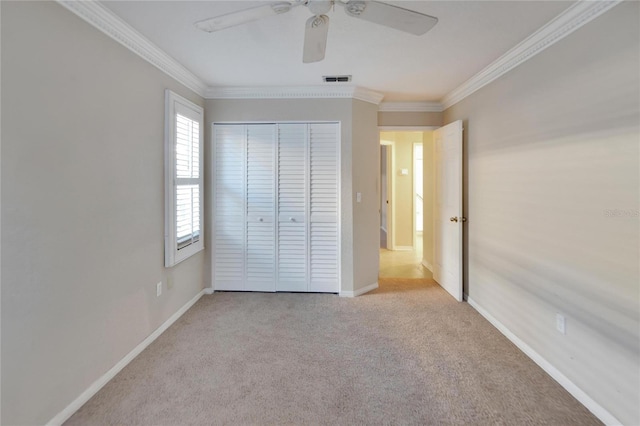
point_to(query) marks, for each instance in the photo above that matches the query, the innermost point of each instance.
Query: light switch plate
(359, 197)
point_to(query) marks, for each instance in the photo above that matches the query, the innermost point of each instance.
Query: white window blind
(187, 169)
(183, 172)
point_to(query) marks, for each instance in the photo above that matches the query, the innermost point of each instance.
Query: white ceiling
(468, 37)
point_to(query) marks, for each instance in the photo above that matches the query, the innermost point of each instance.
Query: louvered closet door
(323, 208)
(229, 207)
(261, 244)
(292, 207)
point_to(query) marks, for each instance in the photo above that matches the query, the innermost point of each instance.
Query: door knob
(261, 220)
(464, 219)
(292, 219)
(453, 219)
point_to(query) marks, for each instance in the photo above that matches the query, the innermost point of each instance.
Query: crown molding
(112, 25)
(577, 15)
(293, 92)
(411, 107)
(367, 95)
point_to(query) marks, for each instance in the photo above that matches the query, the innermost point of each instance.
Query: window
(183, 179)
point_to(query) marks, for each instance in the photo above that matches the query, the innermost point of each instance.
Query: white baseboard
(600, 412)
(427, 265)
(208, 290)
(403, 248)
(64, 415)
(359, 291)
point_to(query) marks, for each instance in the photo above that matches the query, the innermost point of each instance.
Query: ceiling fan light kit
(317, 27)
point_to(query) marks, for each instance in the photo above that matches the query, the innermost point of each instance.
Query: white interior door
(261, 208)
(229, 197)
(323, 207)
(292, 207)
(448, 219)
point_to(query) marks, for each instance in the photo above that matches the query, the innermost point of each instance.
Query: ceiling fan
(317, 27)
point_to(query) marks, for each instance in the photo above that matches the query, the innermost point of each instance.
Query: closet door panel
(260, 213)
(228, 207)
(292, 207)
(323, 207)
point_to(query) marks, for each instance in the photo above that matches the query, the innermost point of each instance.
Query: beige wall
(409, 118)
(402, 198)
(355, 250)
(552, 164)
(82, 208)
(366, 218)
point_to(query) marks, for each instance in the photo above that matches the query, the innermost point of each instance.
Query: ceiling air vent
(336, 78)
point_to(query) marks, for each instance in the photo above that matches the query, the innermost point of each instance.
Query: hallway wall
(402, 202)
(393, 118)
(403, 196)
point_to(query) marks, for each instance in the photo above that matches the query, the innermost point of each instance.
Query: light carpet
(406, 353)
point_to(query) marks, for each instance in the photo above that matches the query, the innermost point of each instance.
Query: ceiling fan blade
(243, 16)
(315, 38)
(391, 16)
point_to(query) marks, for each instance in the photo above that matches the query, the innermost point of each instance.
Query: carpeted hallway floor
(406, 353)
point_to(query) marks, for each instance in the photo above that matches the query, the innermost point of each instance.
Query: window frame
(174, 105)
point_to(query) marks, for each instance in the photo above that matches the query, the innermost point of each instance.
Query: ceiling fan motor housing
(355, 8)
(281, 7)
(320, 7)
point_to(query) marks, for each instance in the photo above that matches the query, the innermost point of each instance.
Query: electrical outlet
(159, 289)
(560, 323)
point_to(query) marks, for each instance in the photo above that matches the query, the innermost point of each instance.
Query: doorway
(406, 182)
